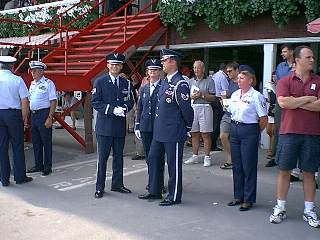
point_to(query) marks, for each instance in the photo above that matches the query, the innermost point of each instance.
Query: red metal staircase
(80, 59)
(83, 58)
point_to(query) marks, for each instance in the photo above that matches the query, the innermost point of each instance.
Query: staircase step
(83, 57)
(110, 30)
(93, 42)
(76, 72)
(104, 35)
(143, 15)
(78, 63)
(134, 21)
(88, 49)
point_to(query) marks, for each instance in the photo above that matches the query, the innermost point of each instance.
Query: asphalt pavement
(62, 205)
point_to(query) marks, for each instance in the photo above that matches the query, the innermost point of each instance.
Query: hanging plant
(181, 13)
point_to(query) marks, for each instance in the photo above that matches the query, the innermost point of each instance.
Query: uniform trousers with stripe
(146, 141)
(41, 140)
(174, 154)
(244, 143)
(11, 131)
(104, 145)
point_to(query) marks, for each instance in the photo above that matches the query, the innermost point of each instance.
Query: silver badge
(168, 100)
(185, 96)
(94, 90)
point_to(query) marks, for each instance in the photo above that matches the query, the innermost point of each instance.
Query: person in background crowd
(14, 109)
(43, 102)
(112, 98)
(221, 83)
(173, 119)
(76, 114)
(139, 155)
(248, 118)
(283, 69)
(202, 94)
(232, 71)
(270, 89)
(299, 140)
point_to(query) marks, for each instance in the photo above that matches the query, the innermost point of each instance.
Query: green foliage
(182, 13)
(41, 15)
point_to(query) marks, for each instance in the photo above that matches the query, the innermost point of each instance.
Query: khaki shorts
(203, 118)
(225, 123)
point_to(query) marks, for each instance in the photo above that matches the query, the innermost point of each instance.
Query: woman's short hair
(251, 76)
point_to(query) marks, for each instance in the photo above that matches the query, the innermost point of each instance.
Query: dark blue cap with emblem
(246, 68)
(115, 58)
(153, 64)
(37, 64)
(168, 53)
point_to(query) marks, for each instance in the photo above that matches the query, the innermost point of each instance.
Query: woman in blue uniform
(248, 117)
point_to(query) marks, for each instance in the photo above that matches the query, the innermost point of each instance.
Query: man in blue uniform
(14, 109)
(112, 97)
(173, 119)
(43, 101)
(147, 107)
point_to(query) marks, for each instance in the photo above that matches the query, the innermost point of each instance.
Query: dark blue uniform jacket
(147, 107)
(105, 95)
(174, 114)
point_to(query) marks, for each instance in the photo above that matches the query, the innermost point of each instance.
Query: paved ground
(61, 206)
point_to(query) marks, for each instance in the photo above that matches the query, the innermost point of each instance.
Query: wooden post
(88, 124)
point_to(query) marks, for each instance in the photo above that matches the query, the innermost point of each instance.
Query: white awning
(35, 40)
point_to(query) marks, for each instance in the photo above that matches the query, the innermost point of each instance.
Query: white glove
(138, 134)
(119, 111)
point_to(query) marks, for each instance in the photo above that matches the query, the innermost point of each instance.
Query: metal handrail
(125, 19)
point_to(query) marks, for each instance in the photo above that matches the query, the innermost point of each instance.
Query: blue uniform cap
(37, 64)
(7, 59)
(115, 58)
(153, 64)
(246, 68)
(168, 53)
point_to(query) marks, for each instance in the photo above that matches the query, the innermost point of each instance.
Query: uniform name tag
(313, 86)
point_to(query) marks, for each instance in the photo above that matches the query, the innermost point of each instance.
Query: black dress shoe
(149, 196)
(245, 207)
(168, 202)
(47, 172)
(138, 157)
(122, 189)
(271, 163)
(27, 179)
(99, 194)
(235, 202)
(294, 178)
(5, 184)
(34, 169)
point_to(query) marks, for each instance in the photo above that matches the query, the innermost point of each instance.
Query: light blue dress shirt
(247, 108)
(221, 82)
(41, 93)
(12, 90)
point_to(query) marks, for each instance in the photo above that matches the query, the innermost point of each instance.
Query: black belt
(11, 109)
(242, 123)
(39, 110)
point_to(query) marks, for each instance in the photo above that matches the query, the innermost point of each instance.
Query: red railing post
(125, 25)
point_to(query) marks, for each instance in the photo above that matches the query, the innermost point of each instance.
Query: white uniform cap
(37, 64)
(7, 59)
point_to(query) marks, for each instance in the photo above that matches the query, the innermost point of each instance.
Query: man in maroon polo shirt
(299, 140)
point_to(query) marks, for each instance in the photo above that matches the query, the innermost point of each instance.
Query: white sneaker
(311, 218)
(207, 161)
(194, 159)
(278, 215)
